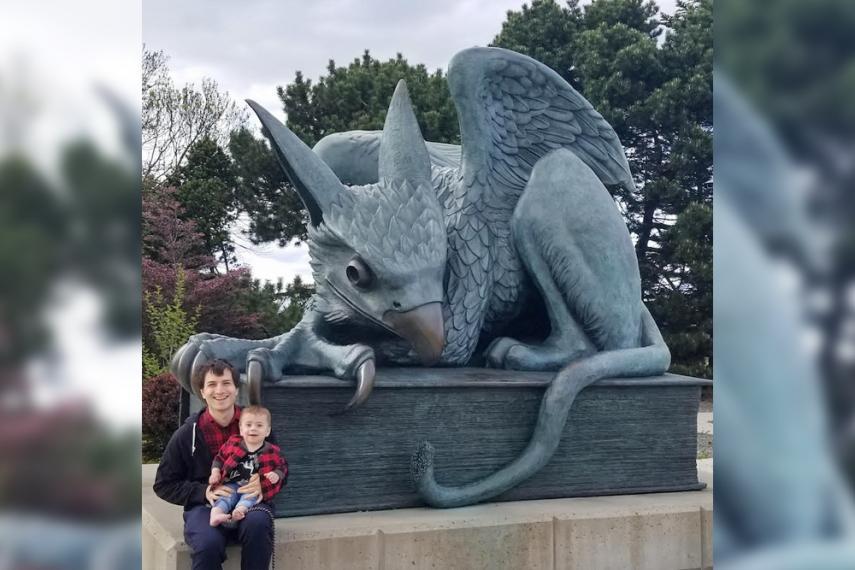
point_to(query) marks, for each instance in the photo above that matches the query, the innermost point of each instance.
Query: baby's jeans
(234, 500)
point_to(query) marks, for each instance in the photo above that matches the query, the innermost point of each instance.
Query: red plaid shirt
(216, 435)
(269, 459)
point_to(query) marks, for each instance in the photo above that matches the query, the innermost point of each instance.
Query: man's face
(254, 428)
(219, 392)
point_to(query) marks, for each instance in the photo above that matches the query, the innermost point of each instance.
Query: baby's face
(254, 428)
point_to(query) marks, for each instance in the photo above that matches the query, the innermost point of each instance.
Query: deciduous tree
(175, 118)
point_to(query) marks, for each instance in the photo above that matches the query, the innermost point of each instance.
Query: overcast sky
(252, 47)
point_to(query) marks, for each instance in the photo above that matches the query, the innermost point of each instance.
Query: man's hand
(252, 489)
(213, 494)
(215, 476)
(273, 477)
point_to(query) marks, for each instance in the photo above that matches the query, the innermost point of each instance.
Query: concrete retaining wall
(655, 531)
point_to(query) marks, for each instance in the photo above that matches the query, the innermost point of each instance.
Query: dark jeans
(254, 533)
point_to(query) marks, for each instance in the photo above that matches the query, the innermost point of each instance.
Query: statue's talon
(198, 361)
(186, 359)
(364, 385)
(176, 360)
(254, 378)
(175, 366)
(497, 352)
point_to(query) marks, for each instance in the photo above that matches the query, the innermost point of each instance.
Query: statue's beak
(421, 326)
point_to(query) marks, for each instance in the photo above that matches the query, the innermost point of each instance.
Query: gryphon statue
(445, 255)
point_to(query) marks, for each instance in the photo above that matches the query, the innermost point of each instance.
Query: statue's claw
(201, 359)
(186, 359)
(364, 385)
(203, 348)
(183, 362)
(254, 377)
(175, 365)
(497, 352)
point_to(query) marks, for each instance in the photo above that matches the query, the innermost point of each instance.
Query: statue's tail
(652, 358)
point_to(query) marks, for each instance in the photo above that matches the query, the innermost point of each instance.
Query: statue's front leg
(205, 347)
(303, 351)
(300, 350)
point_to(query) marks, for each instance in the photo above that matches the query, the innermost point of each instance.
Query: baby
(239, 458)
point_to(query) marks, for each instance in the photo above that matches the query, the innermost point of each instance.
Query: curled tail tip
(421, 464)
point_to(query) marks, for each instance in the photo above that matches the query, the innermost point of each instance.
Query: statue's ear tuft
(403, 154)
(316, 184)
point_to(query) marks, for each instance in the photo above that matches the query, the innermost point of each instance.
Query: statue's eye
(358, 273)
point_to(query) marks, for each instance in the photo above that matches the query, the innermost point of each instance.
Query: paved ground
(705, 422)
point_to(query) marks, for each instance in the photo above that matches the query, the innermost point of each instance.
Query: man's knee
(212, 541)
(256, 523)
(203, 539)
(256, 536)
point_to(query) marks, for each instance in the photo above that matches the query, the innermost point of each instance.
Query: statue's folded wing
(353, 155)
(513, 111)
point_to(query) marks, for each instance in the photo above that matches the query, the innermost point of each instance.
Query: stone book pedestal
(623, 436)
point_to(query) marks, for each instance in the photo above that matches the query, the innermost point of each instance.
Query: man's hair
(257, 411)
(219, 368)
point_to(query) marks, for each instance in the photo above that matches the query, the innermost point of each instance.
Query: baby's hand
(215, 477)
(272, 477)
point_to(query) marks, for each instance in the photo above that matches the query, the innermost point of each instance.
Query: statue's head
(378, 251)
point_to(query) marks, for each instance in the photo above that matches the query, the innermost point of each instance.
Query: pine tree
(263, 191)
(546, 32)
(206, 190)
(357, 97)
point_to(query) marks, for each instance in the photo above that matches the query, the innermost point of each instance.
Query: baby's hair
(258, 411)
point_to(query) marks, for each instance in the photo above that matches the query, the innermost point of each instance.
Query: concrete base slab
(655, 531)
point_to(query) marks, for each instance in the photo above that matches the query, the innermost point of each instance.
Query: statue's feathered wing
(513, 111)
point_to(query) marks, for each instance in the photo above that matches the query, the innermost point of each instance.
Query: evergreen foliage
(546, 32)
(206, 190)
(356, 97)
(272, 205)
(793, 61)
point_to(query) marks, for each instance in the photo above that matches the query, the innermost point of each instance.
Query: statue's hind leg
(575, 248)
(567, 340)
